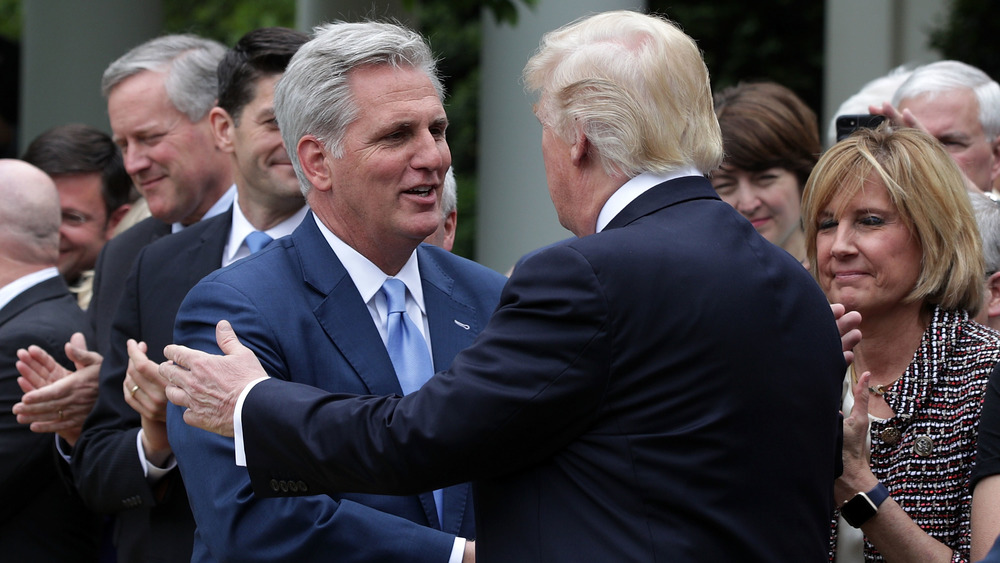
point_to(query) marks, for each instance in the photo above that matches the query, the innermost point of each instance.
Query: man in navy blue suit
(361, 112)
(663, 388)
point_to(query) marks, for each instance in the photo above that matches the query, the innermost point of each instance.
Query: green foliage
(777, 40)
(226, 20)
(10, 19)
(967, 35)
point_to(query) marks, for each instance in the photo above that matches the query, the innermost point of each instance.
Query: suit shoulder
(460, 268)
(169, 245)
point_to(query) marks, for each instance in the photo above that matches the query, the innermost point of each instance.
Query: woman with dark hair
(771, 143)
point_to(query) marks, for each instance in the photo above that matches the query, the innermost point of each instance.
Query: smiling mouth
(422, 192)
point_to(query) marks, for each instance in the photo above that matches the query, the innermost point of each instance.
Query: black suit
(113, 265)
(664, 390)
(41, 516)
(152, 523)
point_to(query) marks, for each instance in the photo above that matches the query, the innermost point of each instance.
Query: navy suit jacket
(112, 268)
(297, 308)
(41, 516)
(664, 390)
(153, 523)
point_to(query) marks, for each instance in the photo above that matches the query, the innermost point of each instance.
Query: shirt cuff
(61, 450)
(152, 472)
(458, 551)
(241, 454)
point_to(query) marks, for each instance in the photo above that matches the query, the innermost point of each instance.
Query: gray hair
(944, 76)
(314, 96)
(188, 62)
(449, 193)
(873, 93)
(987, 212)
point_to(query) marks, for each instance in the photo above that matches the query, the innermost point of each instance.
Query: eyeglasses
(75, 218)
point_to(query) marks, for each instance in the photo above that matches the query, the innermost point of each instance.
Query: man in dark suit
(663, 388)
(309, 302)
(159, 96)
(41, 516)
(123, 462)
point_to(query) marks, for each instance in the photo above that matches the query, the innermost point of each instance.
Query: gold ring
(133, 390)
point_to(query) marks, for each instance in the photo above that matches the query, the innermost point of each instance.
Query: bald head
(29, 217)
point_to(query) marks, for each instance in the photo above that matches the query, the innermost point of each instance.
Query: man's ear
(993, 299)
(222, 128)
(313, 159)
(116, 217)
(580, 148)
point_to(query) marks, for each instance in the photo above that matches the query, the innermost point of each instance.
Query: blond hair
(637, 87)
(927, 188)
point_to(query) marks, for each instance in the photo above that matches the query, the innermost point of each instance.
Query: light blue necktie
(408, 352)
(407, 347)
(257, 240)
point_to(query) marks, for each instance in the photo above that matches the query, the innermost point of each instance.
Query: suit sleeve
(27, 460)
(233, 522)
(533, 381)
(105, 460)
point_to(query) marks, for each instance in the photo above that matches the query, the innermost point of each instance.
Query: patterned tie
(408, 352)
(257, 240)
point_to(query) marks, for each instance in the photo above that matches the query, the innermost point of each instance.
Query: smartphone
(847, 124)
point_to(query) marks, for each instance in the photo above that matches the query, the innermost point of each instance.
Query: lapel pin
(463, 325)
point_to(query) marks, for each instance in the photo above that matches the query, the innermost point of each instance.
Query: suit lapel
(453, 327)
(341, 312)
(205, 257)
(452, 323)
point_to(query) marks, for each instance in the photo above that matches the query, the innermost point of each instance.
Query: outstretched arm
(208, 386)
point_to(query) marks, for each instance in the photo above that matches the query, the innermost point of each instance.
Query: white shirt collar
(241, 227)
(23, 283)
(218, 207)
(367, 277)
(632, 189)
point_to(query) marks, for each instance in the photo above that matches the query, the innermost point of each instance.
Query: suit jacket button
(303, 488)
(890, 435)
(293, 486)
(283, 485)
(274, 485)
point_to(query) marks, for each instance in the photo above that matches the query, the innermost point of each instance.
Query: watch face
(858, 510)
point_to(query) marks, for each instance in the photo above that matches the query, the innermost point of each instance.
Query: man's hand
(906, 118)
(207, 385)
(55, 399)
(143, 389)
(850, 334)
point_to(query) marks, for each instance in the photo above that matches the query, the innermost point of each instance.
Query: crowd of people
(233, 330)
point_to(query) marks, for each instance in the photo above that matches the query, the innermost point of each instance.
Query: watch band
(878, 494)
(864, 506)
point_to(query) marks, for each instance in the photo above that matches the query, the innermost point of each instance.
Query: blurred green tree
(967, 34)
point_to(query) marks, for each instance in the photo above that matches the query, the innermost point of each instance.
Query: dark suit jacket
(113, 265)
(41, 516)
(295, 305)
(152, 523)
(665, 390)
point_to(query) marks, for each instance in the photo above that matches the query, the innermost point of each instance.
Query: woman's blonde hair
(927, 188)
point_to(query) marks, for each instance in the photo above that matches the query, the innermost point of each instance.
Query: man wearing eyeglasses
(95, 193)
